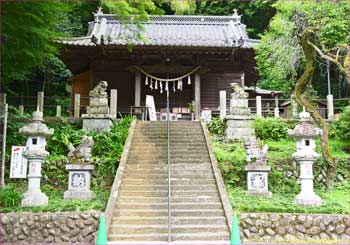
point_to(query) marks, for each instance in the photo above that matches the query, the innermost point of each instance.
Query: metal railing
(169, 170)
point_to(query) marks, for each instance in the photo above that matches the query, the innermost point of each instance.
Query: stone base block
(32, 199)
(260, 193)
(97, 124)
(78, 194)
(239, 133)
(307, 199)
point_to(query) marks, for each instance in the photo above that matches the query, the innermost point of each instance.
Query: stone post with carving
(35, 153)
(305, 134)
(80, 167)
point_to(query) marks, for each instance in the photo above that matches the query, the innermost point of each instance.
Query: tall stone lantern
(305, 134)
(35, 153)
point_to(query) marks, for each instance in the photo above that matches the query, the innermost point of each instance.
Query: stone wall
(274, 226)
(60, 227)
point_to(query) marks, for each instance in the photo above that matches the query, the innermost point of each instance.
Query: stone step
(174, 200)
(173, 151)
(142, 229)
(223, 236)
(164, 193)
(189, 158)
(177, 206)
(164, 162)
(142, 187)
(164, 212)
(174, 220)
(174, 182)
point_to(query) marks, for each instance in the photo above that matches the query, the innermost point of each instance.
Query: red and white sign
(18, 168)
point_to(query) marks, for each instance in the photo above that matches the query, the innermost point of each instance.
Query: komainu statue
(238, 92)
(82, 153)
(100, 90)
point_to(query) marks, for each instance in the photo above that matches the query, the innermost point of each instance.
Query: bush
(217, 126)
(271, 128)
(9, 197)
(340, 128)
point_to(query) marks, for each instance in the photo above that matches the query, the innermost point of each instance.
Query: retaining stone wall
(60, 227)
(81, 227)
(274, 226)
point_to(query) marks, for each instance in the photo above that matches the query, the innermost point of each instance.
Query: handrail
(169, 171)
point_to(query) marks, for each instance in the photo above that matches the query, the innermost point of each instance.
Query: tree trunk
(331, 162)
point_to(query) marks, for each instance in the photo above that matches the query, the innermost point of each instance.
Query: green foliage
(340, 129)
(9, 196)
(217, 126)
(336, 202)
(271, 128)
(231, 160)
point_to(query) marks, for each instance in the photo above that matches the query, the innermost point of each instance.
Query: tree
(300, 37)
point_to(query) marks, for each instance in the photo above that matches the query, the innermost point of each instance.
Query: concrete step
(174, 172)
(165, 161)
(177, 206)
(174, 182)
(164, 193)
(223, 236)
(164, 166)
(220, 220)
(149, 176)
(174, 200)
(164, 212)
(165, 187)
(154, 237)
(189, 158)
(143, 229)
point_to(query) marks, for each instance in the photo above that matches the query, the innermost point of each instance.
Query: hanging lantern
(189, 80)
(146, 80)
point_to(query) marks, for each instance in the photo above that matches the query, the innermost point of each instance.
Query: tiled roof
(167, 30)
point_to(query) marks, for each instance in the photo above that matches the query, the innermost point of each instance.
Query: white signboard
(151, 108)
(18, 168)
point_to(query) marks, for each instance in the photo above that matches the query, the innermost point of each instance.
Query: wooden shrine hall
(193, 56)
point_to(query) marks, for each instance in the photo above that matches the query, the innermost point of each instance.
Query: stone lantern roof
(305, 129)
(36, 127)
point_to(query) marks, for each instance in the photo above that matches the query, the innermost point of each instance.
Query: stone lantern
(35, 153)
(305, 134)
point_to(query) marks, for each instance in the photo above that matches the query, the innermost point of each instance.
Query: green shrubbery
(340, 129)
(106, 153)
(217, 126)
(270, 128)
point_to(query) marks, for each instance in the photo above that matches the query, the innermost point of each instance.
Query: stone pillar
(40, 102)
(137, 89)
(294, 109)
(76, 105)
(113, 103)
(21, 109)
(35, 153)
(223, 104)
(330, 108)
(276, 110)
(258, 106)
(58, 111)
(242, 79)
(305, 134)
(197, 95)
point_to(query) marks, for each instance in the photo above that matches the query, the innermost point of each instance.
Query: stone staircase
(141, 210)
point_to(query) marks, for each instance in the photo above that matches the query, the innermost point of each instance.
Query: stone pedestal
(239, 127)
(257, 180)
(79, 182)
(33, 196)
(97, 123)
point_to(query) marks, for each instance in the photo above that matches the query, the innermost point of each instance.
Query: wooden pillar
(223, 104)
(76, 105)
(40, 103)
(258, 106)
(197, 95)
(113, 103)
(137, 89)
